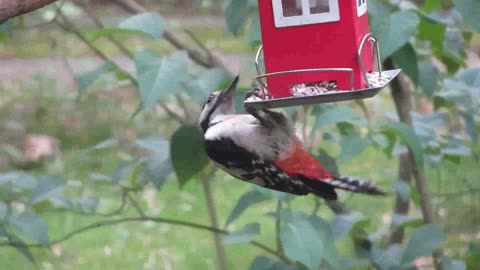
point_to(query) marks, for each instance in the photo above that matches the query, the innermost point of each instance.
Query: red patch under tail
(299, 161)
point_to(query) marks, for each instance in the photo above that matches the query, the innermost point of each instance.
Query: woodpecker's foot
(257, 94)
(262, 117)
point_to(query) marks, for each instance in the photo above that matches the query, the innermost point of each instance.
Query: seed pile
(312, 89)
(375, 80)
(317, 88)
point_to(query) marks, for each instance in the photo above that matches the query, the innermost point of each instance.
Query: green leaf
(120, 172)
(255, 30)
(343, 223)
(423, 241)
(32, 227)
(268, 263)
(187, 153)
(244, 235)
(449, 264)
(406, 59)
(399, 220)
(236, 14)
(352, 146)
(335, 115)
(89, 203)
(428, 77)
(432, 30)
(19, 180)
(150, 23)
(403, 190)
(248, 199)
(473, 255)
(328, 161)
(471, 77)
(388, 259)
(408, 136)
(21, 247)
(429, 5)
(471, 126)
(85, 80)
(3, 212)
(49, 189)
(158, 78)
(392, 31)
(109, 143)
(5, 30)
(159, 165)
(304, 240)
(207, 82)
(469, 10)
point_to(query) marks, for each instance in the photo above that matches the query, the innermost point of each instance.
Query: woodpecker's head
(218, 103)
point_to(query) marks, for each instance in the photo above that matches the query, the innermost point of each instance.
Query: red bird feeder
(316, 51)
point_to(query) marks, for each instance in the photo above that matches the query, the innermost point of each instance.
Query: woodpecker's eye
(210, 98)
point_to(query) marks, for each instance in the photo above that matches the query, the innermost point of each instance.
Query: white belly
(248, 133)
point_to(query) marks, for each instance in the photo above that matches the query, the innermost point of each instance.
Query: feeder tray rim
(324, 97)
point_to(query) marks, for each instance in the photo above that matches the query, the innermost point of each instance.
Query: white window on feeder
(361, 7)
(302, 12)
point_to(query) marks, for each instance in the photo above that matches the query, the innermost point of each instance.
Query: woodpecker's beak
(228, 93)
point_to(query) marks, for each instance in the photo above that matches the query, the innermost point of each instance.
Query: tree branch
(13, 8)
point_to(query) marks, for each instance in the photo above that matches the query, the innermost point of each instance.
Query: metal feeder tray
(333, 96)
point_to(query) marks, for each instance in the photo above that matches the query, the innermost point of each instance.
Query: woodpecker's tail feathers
(355, 184)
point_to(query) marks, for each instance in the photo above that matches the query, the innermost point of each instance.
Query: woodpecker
(261, 147)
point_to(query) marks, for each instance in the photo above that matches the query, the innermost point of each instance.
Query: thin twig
(183, 105)
(200, 45)
(114, 212)
(317, 203)
(96, 20)
(222, 260)
(104, 223)
(171, 113)
(277, 229)
(136, 205)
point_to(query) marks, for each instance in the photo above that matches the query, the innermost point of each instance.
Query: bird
(261, 147)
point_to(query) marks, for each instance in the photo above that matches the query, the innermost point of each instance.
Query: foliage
(429, 47)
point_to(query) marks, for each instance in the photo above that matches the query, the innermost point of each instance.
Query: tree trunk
(401, 206)
(401, 93)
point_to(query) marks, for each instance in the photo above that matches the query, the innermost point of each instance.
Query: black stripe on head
(218, 100)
